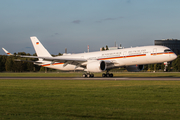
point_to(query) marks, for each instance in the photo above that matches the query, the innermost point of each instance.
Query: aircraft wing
(57, 59)
(74, 61)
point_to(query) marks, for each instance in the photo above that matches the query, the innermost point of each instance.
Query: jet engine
(135, 68)
(96, 66)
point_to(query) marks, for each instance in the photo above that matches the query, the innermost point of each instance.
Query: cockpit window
(167, 50)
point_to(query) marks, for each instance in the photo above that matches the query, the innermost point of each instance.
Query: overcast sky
(74, 24)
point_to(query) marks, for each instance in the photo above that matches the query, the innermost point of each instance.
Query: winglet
(7, 52)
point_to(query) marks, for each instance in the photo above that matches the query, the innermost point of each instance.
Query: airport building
(173, 44)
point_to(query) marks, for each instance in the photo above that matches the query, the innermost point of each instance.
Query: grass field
(89, 100)
(79, 74)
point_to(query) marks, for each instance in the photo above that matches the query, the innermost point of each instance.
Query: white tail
(39, 48)
(8, 53)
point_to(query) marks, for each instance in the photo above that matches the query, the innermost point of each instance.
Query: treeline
(11, 64)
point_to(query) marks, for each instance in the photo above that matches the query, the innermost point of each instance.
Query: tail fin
(8, 53)
(39, 48)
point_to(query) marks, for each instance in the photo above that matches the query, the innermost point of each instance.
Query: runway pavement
(95, 78)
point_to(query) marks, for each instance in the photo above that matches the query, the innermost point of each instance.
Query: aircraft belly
(65, 68)
(148, 59)
(156, 58)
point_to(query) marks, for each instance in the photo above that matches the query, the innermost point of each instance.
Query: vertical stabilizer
(39, 48)
(8, 53)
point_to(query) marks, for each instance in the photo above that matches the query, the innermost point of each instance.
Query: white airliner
(133, 59)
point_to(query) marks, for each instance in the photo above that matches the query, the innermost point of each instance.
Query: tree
(103, 48)
(145, 67)
(9, 64)
(2, 62)
(59, 54)
(176, 64)
(107, 47)
(162, 66)
(152, 67)
(30, 66)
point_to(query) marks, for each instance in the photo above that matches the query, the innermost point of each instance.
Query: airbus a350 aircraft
(131, 58)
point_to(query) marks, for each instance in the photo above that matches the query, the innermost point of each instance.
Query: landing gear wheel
(84, 75)
(111, 75)
(92, 75)
(88, 75)
(104, 75)
(107, 75)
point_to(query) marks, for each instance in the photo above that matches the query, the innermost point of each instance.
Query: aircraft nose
(174, 56)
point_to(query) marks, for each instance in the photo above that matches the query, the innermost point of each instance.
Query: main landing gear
(89, 75)
(107, 75)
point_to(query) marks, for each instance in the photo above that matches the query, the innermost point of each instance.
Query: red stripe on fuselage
(122, 57)
(134, 56)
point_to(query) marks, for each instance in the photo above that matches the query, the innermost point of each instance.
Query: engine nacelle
(135, 68)
(96, 66)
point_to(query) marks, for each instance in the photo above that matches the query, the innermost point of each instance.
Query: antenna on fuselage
(88, 48)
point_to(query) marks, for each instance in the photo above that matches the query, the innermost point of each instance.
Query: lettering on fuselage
(132, 52)
(137, 52)
(112, 54)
